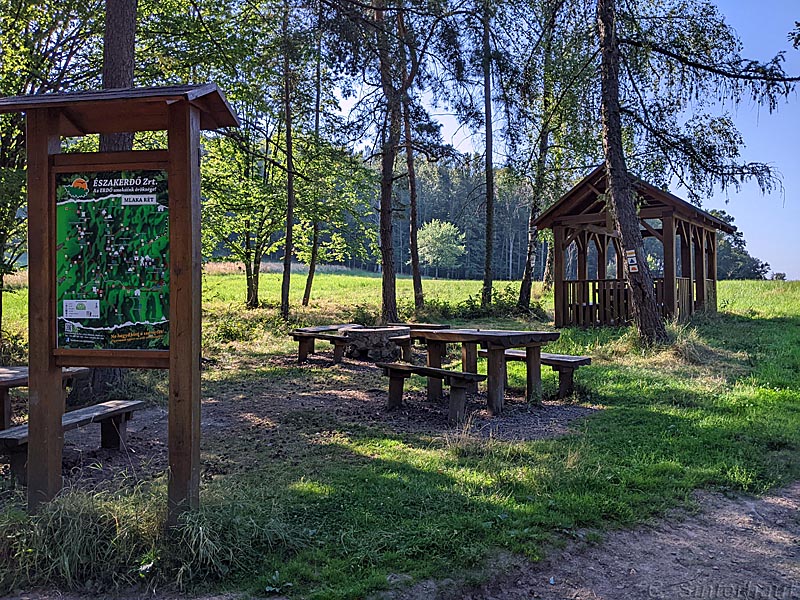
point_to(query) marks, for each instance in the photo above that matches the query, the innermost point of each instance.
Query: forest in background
(304, 179)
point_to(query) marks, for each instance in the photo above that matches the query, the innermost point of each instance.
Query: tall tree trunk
(391, 139)
(119, 48)
(646, 315)
(312, 265)
(287, 114)
(119, 43)
(541, 163)
(419, 299)
(486, 291)
(547, 276)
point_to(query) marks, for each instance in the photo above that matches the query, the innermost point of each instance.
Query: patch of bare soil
(266, 414)
(742, 548)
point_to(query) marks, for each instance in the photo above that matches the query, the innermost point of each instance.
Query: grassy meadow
(343, 509)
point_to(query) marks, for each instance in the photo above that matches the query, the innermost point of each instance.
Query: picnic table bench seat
(458, 382)
(113, 417)
(564, 364)
(306, 336)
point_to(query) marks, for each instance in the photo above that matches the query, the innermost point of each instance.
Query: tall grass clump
(103, 541)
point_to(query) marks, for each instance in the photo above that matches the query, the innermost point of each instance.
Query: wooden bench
(306, 336)
(404, 343)
(565, 364)
(113, 417)
(458, 382)
(306, 344)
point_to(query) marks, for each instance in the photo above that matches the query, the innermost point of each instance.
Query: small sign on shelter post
(114, 261)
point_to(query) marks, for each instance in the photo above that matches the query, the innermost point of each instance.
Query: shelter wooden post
(686, 269)
(185, 313)
(602, 250)
(668, 229)
(711, 296)
(46, 396)
(699, 243)
(558, 275)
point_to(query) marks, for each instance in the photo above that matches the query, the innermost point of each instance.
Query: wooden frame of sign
(182, 111)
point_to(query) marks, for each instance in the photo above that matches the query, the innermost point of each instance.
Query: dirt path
(740, 548)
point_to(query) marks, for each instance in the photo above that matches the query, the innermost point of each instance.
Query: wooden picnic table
(495, 342)
(11, 377)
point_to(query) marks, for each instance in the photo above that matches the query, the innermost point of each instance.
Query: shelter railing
(592, 302)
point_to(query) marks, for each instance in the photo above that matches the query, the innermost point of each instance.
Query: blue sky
(770, 223)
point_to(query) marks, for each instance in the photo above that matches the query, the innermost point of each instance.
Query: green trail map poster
(112, 260)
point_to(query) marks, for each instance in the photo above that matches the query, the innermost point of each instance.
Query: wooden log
(566, 381)
(5, 399)
(305, 347)
(114, 432)
(458, 403)
(396, 383)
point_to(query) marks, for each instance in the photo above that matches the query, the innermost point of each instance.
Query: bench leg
(114, 431)
(5, 399)
(458, 402)
(435, 351)
(338, 352)
(304, 346)
(566, 382)
(405, 349)
(396, 383)
(18, 461)
(533, 383)
(469, 363)
(495, 380)
(312, 349)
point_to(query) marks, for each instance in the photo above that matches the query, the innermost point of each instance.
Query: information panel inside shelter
(112, 260)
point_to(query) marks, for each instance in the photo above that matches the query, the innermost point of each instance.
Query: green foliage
(441, 245)
(733, 259)
(503, 306)
(335, 196)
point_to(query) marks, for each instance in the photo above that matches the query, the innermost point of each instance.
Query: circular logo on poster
(78, 189)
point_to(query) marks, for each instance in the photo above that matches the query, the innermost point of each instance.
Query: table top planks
(498, 338)
(18, 376)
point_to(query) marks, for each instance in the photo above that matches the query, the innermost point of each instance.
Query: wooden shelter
(182, 111)
(597, 293)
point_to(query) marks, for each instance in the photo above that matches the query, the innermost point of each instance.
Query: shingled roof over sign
(126, 109)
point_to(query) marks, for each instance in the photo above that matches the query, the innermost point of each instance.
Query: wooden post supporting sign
(74, 318)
